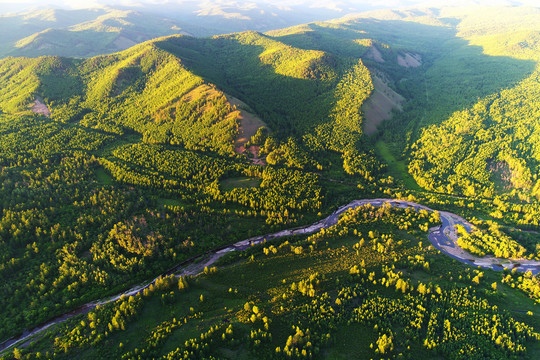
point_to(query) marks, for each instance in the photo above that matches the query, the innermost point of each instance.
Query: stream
(443, 238)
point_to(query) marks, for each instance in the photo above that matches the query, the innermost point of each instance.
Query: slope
(489, 148)
(142, 90)
(125, 177)
(135, 171)
(82, 33)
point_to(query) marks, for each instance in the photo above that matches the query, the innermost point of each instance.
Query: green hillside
(489, 147)
(292, 89)
(82, 33)
(118, 167)
(136, 150)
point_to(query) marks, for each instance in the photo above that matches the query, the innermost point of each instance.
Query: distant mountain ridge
(115, 167)
(82, 33)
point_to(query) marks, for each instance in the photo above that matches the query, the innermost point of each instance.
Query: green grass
(350, 345)
(396, 168)
(172, 202)
(102, 177)
(240, 182)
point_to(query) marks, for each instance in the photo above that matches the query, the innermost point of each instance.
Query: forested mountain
(82, 33)
(117, 167)
(490, 147)
(144, 117)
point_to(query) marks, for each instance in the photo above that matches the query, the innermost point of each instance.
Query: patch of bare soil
(502, 173)
(380, 104)
(409, 60)
(249, 122)
(40, 108)
(375, 54)
(254, 150)
(45, 46)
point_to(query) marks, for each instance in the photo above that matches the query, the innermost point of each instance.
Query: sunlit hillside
(364, 187)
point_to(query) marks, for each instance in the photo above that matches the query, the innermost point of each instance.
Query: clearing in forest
(41, 108)
(240, 182)
(249, 124)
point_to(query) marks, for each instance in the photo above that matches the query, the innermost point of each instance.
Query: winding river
(442, 238)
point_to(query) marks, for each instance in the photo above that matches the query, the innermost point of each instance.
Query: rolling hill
(145, 119)
(151, 160)
(82, 33)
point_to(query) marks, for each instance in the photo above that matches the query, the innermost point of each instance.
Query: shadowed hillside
(123, 166)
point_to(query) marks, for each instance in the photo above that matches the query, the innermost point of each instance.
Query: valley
(440, 237)
(362, 187)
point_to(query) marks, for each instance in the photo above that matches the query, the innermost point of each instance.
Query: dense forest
(136, 169)
(116, 168)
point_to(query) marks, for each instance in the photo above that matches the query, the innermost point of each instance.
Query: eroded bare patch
(409, 60)
(380, 104)
(40, 108)
(249, 124)
(375, 54)
(123, 42)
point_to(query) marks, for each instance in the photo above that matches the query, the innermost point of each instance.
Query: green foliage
(528, 283)
(292, 89)
(490, 147)
(136, 170)
(314, 297)
(492, 241)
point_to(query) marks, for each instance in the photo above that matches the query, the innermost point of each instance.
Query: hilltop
(119, 167)
(82, 33)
